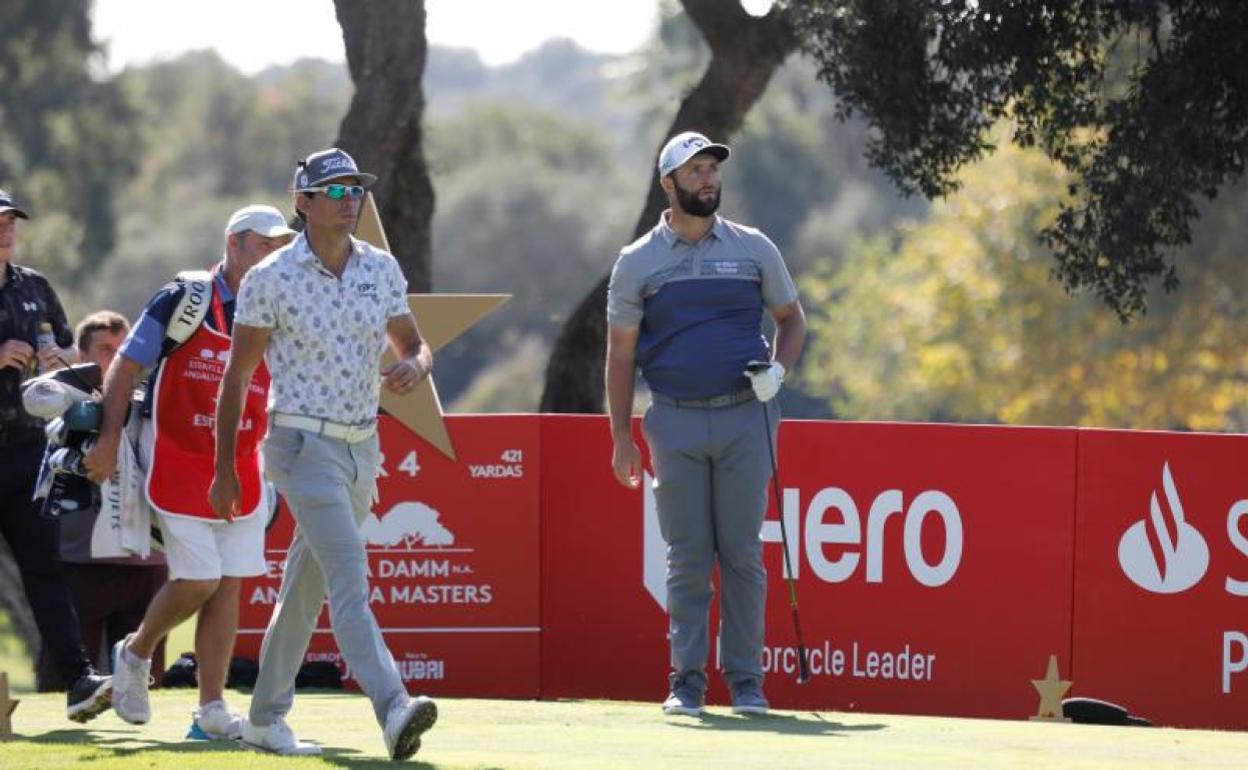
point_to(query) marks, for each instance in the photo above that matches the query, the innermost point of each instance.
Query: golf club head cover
(765, 378)
(1094, 711)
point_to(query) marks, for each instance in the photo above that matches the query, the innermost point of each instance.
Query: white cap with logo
(264, 220)
(682, 147)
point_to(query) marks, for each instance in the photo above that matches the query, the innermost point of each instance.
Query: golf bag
(68, 399)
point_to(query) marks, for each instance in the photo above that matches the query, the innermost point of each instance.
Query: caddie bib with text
(183, 420)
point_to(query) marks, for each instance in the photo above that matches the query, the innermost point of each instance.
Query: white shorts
(200, 549)
(207, 549)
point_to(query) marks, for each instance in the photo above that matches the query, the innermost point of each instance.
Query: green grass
(13, 658)
(595, 735)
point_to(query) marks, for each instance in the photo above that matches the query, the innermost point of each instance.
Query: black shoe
(89, 696)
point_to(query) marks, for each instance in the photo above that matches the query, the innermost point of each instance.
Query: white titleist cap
(682, 147)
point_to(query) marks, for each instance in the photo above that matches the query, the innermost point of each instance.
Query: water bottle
(43, 338)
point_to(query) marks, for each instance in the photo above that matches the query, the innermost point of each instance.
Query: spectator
(27, 304)
(110, 594)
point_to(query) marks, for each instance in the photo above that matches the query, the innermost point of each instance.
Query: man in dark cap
(319, 313)
(29, 308)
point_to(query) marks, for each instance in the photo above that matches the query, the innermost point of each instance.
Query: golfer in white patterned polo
(320, 312)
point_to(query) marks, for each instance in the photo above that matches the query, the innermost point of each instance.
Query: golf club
(803, 672)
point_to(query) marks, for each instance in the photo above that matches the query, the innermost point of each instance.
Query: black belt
(21, 437)
(714, 402)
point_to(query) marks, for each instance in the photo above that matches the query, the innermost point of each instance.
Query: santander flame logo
(1164, 554)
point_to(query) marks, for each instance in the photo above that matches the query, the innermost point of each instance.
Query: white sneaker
(277, 738)
(407, 719)
(217, 722)
(131, 676)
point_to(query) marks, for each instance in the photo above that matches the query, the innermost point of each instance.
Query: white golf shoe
(131, 678)
(407, 720)
(276, 738)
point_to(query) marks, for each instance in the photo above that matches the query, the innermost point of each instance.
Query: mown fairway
(589, 735)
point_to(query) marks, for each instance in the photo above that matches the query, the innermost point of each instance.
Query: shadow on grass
(124, 743)
(121, 743)
(344, 758)
(783, 724)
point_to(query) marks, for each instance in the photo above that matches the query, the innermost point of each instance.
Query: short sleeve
(624, 301)
(144, 342)
(777, 285)
(255, 304)
(396, 292)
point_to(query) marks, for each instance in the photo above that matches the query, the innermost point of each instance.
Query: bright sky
(252, 34)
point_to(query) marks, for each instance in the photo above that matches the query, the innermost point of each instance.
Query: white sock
(131, 659)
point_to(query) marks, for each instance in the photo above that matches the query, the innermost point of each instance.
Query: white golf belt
(352, 434)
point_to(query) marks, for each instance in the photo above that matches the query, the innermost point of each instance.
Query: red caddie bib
(183, 419)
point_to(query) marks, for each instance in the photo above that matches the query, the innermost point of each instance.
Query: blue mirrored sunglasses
(339, 191)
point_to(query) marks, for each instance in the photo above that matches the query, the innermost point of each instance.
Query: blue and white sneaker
(215, 722)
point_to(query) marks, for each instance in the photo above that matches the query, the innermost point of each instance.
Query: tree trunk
(386, 52)
(745, 53)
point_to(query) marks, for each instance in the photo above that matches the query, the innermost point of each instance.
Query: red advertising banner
(934, 568)
(938, 568)
(1162, 574)
(603, 636)
(453, 557)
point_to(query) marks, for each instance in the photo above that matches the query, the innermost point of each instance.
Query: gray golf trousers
(329, 487)
(711, 473)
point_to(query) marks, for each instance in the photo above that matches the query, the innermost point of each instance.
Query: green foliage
(528, 204)
(1145, 102)
(214, 140)
(952, 319)
(213, 130)
(794, 167)
(69, 139)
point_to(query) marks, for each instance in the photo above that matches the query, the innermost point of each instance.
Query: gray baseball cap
(8, 204)
(680, 148)
(320, 167)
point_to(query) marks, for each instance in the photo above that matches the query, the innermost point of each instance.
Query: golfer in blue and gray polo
(685, 304)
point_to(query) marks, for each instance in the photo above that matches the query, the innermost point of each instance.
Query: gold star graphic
(441, 318)
(1051, 690)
